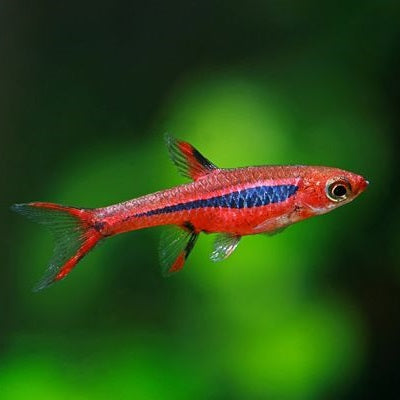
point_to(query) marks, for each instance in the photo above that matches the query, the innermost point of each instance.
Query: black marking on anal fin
(175, 246)
(99, 226)
(188, 226)
(193, 237)
(190, 244)
(189, 161)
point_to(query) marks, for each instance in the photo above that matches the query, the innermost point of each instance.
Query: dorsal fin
(189, 161)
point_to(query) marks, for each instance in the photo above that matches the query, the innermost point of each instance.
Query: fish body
(231, 202)
(241, 201)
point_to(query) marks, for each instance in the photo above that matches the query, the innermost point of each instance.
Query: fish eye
(338, 190)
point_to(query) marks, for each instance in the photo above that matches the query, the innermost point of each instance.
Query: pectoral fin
(276, 231)
(273, 226)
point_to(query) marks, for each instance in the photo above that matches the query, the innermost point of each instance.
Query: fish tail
(74, 232)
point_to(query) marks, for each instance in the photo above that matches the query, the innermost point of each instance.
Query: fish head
(325, 189)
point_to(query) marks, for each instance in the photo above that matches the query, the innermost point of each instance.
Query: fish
(228, 202)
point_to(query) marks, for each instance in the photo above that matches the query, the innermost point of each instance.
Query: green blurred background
(87, 91)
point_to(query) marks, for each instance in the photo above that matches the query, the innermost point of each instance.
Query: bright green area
(274, 321)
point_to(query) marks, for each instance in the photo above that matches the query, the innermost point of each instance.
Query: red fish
(230, 202)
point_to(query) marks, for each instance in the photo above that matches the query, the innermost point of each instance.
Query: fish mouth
(363, 184)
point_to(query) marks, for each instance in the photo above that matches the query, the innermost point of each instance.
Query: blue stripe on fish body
(252, 197)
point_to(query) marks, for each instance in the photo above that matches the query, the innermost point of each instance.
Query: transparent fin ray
(270, 226)
(189, 161)
(72, 237)
(276, 231)
(175, 246)
(224, 245)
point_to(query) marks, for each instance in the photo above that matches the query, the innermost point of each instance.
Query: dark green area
(87, 92)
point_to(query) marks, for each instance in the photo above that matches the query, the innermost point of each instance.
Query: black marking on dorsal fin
(189, 161)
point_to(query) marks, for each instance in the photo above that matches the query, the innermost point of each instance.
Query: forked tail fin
(73, 232)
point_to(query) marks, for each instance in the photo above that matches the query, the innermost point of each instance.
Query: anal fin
(175, 246)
